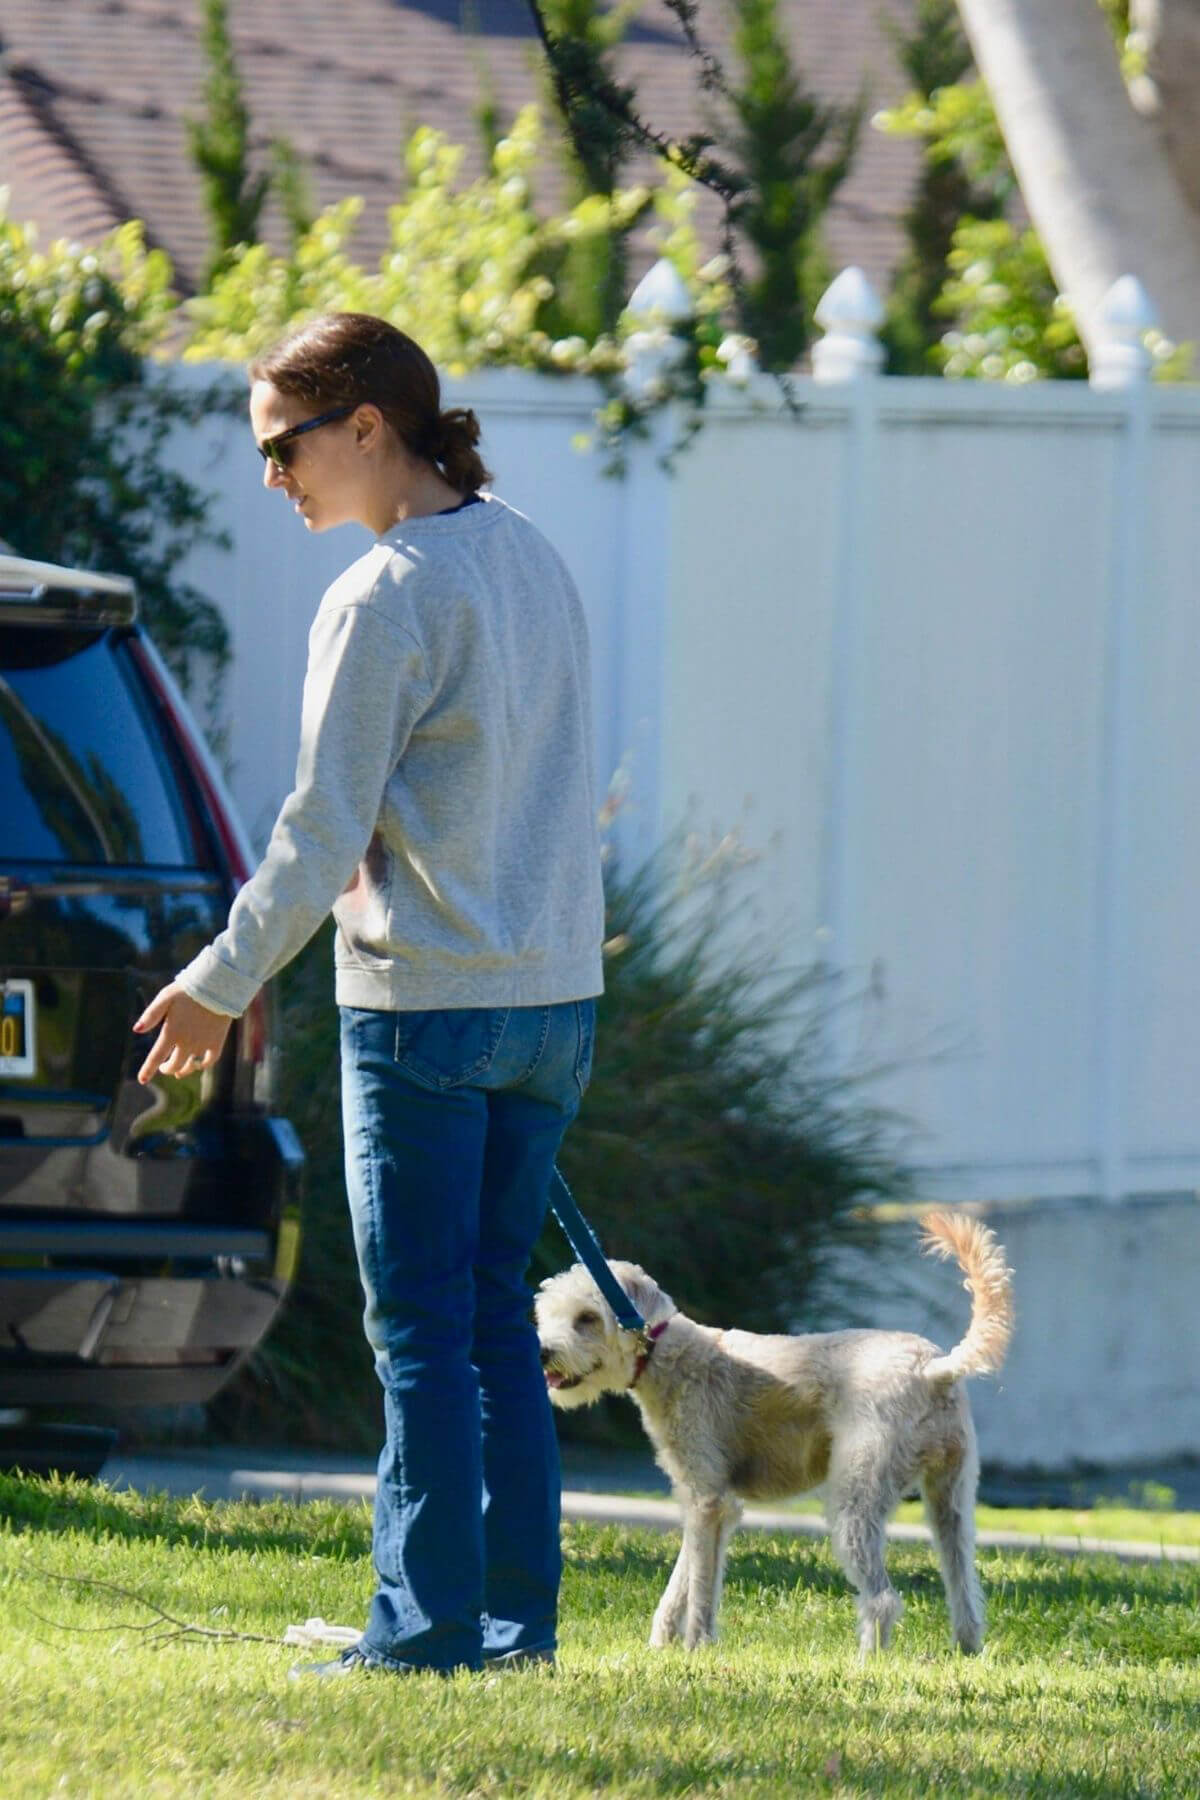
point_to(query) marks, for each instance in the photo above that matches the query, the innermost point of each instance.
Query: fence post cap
(850, 312)
(1120, 358)
(662, 290)
(1127, 307)
(850, 301)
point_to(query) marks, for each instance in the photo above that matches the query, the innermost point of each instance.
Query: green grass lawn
(1090, 1683)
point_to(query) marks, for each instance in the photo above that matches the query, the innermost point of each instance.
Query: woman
(444, 810)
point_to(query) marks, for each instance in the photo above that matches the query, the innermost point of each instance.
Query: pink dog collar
(649, 1339)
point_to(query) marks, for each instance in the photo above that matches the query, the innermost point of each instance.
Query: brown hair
(349, 357)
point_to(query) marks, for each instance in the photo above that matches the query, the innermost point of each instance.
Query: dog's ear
(558, 1279)
(644, 1291)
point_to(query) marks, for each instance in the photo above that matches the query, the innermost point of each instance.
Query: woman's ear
(368, 426)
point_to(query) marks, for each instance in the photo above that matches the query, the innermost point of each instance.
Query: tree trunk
(1094, 173)
(1172, 28)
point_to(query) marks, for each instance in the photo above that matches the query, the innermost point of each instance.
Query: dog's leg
(949, 1495)
(729, 1524)
(860, 1499)
(708, 1525)
(667, 1624)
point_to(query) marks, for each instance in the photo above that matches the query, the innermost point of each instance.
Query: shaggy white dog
(734, 1415)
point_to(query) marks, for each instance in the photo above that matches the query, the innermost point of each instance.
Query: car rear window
(85, 776)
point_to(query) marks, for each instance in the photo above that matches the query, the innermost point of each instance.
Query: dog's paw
(877, 1617)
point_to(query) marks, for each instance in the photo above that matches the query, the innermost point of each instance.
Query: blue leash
(586, 1246)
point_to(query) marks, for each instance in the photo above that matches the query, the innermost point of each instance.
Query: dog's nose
(545, 1356)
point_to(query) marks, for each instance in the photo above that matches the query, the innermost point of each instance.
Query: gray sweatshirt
(444, 806)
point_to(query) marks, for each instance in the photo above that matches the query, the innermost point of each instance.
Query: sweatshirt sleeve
(365, 688)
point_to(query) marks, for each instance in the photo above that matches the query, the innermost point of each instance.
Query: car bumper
(128, 1311)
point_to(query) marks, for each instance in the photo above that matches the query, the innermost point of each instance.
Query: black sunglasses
(275, 449)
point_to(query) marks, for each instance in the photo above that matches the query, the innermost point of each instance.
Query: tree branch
(164, 1628)
(689, 154)
(712, 75)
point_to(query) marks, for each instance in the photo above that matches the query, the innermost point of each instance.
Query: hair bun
(450, 441)
(459, 424)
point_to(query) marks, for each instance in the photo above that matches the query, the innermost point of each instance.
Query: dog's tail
(989, 1283)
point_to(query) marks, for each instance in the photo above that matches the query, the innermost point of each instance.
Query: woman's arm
(365, 688)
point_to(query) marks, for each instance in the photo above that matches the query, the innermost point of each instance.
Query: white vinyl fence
(932, 651)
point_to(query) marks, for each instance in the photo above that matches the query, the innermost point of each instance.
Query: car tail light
(254, 1079)
(252, 1042)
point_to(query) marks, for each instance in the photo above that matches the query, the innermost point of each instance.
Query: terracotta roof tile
(95, 96)
(47, 174)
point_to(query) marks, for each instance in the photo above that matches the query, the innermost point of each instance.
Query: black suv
(147, 1235)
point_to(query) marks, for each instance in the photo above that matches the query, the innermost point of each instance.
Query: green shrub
(964, 173)
(713, 1146)
(792, 154)
(219, 142)
(716, 1145)
(1010, 322)
(84, 415)
(465, 270)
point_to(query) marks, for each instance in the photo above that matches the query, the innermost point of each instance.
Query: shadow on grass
(756, 1564)
(1073, 1606)
(1043, 1581)
(54, 1507)
(621, 1550)
(969, 1776)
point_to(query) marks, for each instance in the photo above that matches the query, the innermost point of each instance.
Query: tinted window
(84, 776)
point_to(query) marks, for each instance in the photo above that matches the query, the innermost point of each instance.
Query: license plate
(17, 1046)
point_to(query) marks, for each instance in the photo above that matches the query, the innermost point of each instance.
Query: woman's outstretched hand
(191, 1037)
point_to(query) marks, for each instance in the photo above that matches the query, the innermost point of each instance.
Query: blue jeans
(452, 1123)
